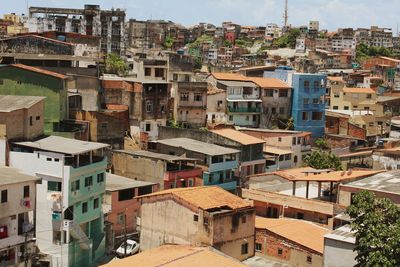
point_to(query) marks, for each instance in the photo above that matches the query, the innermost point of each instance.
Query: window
(273, 111)
(316, 86)
(280, 251)
(305, 101)
(288, 156)
(245, 249)
(295, 159)
(54, 186)
(84, 207)
(283, 93)
(217, 159)
(258, 247)
(120, 218)
(294, 141)
(305, 116)
(306, 84)
(148, 127)
(269, 93)
(230, 157)
(95, 203)
(4, 196)
(198, 97)
(75, 186)
(244, 219)
(315, 101)
(26, 191)
(195, 217)
(282, 110)
(317, 116)
(100, 177)
(369, 96)
(336, 95)
(147, 72)
(145, 190)
(309, 259)
(88, 181)
(184, 96)
(37, 118)
(346, 107)
(126, 194)
(279, 139)
(159, 73)
(30, 121)
(149, 106)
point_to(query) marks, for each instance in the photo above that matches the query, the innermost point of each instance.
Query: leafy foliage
(115, 65)
(288, 40)
(169, 42)
(321, 143)
(322, 160)
(200, 40)
(364, 51)
(376, 227)
(290, 124)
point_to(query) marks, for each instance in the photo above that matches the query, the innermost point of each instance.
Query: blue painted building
(308, 99)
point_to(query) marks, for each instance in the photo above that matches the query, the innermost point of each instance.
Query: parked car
(132, 247)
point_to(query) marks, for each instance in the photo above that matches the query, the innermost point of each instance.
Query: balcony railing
(244, 110)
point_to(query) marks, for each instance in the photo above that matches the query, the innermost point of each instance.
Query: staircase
(77, 233)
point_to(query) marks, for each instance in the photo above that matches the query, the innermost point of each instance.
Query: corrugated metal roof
(197, 146)
(152, 155)
(14, 176)
(238, 136)
(63, 145)
(116, 182)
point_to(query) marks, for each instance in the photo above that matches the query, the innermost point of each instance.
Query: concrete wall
(139, 168)
(18, 122)
(339, 254)
(217, 110)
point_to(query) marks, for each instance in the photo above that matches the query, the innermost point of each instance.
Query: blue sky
(332, 14)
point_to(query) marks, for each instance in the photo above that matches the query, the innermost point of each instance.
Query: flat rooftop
(197, 146)
(152, 155)
(343, 233)
(238, 136)
(116, 183)
(10, 176)
(385, 182)
(9, 103)
(63, 145)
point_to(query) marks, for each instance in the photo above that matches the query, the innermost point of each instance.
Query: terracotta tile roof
(301, 232)
(358, 90)
(335, 79)
(177, 256)
(262, 82)
(238, 136)
(205, 197)
(41, 71)
(291, 174)
(337, 176)
(117, 84)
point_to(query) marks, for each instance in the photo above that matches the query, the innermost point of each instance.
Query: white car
(132, 247)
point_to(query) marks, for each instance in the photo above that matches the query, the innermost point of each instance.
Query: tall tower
(285, 14)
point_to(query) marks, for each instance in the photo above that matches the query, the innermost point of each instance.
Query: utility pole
(125, 237)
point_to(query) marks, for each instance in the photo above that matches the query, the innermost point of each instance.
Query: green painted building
(18, 79)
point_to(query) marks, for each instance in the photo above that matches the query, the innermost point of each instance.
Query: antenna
(285, 15)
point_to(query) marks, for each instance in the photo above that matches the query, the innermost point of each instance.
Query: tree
(322, 160)
(169, 42)
(376, 227)
(321, 144)
(289, 39)
(115, 65)
(290, 124)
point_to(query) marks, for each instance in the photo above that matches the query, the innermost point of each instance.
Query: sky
(332, 14)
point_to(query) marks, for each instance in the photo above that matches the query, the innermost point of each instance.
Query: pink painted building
(120, 203)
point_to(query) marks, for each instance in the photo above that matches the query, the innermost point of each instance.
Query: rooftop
(197, 146)
(14, 176)
(63, 145)
(276, 151)
(343, 233)
(238, 83)
(40, 71)
(358, 90)
(152, 155)
(238, 136)
(177, 256)
(116, 183)
(335, 78)
(10, 103)
(385, 182)
(205, 197)
(336, 176)
(301, 232)
(262, 82)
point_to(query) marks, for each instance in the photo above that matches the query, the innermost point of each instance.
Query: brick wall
(357, 132)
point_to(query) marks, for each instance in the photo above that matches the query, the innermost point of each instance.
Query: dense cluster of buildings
(197, 150)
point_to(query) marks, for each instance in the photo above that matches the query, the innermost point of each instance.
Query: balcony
(244, 110)
(190, 173)
(227, 165)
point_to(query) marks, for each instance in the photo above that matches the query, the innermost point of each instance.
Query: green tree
(322, 160)
(376, 228)
(115, 65)
(289, 39)
(169, 42)
(321, 144)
